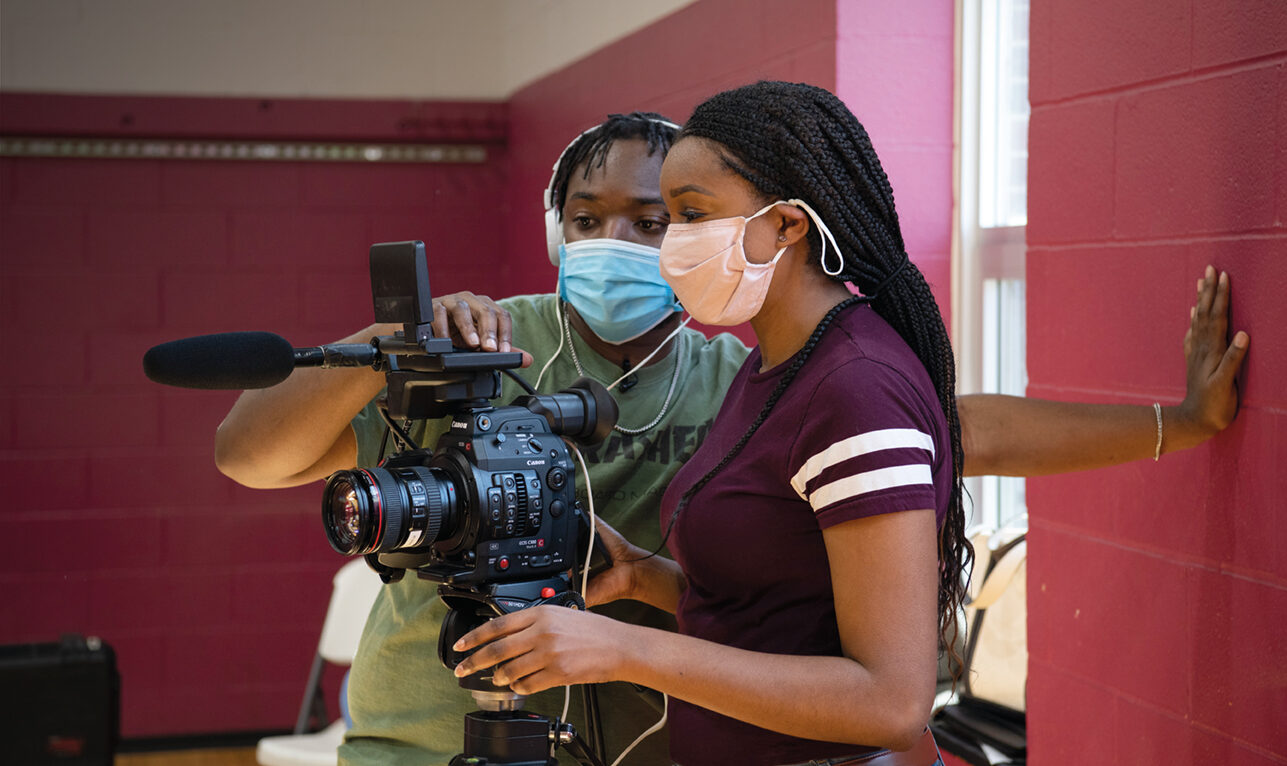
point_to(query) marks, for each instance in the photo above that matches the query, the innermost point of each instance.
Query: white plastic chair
(355, 589)
(986, 540)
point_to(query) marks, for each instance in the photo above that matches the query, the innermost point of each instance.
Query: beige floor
(236, 756)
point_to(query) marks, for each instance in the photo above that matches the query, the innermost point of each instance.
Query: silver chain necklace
(674, 378)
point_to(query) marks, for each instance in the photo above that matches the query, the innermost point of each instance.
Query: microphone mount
(337, 355)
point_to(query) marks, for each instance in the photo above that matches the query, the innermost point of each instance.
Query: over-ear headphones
(553, 226)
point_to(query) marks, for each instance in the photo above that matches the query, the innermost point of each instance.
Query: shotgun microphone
(241, 360)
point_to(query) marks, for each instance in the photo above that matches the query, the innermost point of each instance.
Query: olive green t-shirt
(407, 709)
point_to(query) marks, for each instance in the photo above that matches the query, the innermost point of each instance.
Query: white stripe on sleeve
(870, 481)
(862, 444)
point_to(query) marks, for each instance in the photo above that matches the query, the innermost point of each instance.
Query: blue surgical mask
(615, 286)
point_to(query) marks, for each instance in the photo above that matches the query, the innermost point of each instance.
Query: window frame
(988, 261)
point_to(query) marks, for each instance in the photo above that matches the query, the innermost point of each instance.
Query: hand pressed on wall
(1211, 399)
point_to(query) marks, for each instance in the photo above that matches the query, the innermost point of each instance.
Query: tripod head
(500, 733)
(470, 606)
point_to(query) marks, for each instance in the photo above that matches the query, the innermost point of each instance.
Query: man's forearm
(297, 431)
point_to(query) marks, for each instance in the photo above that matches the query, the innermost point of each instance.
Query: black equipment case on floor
(59, 703)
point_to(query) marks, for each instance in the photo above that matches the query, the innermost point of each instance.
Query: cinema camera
(489, 513)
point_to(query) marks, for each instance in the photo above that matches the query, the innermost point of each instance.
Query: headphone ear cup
(553, 234)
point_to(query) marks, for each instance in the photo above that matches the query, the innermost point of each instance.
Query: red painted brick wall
(1158, 593)
(894, 69)
(118, 523)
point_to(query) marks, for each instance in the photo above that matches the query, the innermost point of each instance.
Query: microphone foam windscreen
(231, 360)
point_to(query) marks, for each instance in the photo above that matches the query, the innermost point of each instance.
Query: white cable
(585, 572)
(656, 727)
(585, 579)
(589, 494)
(558, 320)
(562, 337)
(646, 359)
(589, 497)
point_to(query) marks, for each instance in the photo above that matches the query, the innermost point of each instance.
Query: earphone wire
(655, 351)
(558, 314)
(558, 320)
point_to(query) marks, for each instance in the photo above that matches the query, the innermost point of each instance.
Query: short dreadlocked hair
(590, 149)
(797, 141)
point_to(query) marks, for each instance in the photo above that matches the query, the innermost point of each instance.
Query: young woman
(818, 531)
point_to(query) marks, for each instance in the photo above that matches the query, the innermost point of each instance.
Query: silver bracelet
(1157, 451)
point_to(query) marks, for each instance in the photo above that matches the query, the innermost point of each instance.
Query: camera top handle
(427, 377)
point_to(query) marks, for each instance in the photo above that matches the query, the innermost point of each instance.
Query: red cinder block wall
(894, 69)
(118, 524)
(862, 51)
(1158, 592)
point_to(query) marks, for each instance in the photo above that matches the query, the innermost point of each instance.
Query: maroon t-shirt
(859, 432)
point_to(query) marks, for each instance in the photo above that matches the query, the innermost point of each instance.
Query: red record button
(502, 563)
(547, 592)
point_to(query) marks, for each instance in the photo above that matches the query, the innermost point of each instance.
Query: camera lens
(380, 510)
(345, 514)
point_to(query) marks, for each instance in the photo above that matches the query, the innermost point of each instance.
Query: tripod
(515, 738)
(500, 733)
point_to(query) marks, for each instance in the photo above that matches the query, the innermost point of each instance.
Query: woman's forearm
(878, 691)
(828, 698)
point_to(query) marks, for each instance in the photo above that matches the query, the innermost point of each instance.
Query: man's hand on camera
(474, 321)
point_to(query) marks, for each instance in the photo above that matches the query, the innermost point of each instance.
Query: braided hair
(590, 149)
(797, 141)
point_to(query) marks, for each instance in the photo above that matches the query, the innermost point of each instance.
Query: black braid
(590, 150)
(797, 141)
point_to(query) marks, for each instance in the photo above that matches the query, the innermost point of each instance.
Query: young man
(615, 311)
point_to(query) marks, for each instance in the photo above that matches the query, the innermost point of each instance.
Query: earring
(782, 238)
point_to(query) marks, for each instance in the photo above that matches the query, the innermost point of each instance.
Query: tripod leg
(570, 741)
(593, 735)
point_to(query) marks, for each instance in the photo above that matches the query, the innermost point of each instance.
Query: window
(991, 212)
